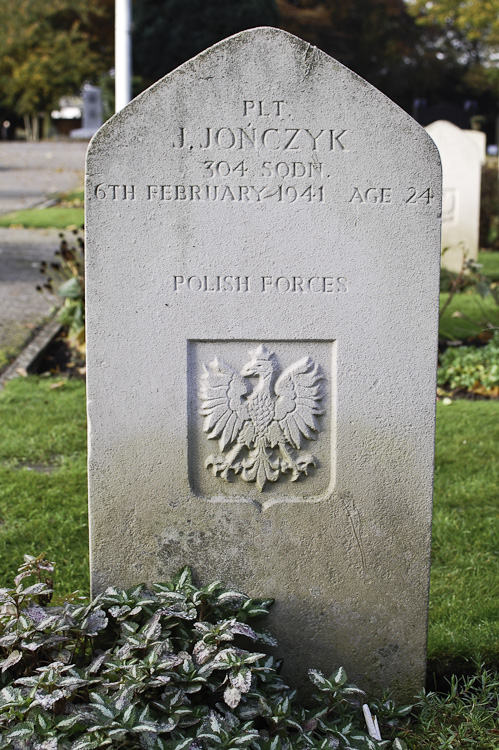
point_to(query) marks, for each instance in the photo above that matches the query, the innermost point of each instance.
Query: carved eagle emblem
(260, 430)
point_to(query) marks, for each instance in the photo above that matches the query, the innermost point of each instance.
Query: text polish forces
(270, 284)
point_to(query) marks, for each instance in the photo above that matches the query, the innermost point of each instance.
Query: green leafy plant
(65, 278)
(164, 667)
(474, 369)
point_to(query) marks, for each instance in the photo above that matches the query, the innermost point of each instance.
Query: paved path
(29, 174)
(22, 308)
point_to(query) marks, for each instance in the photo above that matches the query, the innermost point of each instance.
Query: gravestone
(479, 138)
(92, 112)
(461, 157)
(263, 245)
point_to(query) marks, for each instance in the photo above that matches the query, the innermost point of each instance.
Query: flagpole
(123, 53)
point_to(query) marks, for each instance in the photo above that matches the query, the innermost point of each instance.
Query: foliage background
(446, 50)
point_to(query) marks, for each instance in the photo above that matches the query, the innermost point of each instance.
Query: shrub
(475, 369)
(165, 667)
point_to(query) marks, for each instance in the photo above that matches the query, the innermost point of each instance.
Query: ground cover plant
(173, 666)
(471, 368)
(166, 667)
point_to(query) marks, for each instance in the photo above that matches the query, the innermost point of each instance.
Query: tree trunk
(35, 128)
(46, 125)
(27, 128)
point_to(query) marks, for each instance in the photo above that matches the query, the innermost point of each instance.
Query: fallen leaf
(22, 372)
(481, 390)
(57, 385)
(82, 370)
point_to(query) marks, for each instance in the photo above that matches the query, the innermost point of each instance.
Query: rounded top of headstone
(447, 135)
(443, 126)
(256, 60)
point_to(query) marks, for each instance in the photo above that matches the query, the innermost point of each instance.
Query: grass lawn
(43, 507)
(467, 315)
(67, 213)
(58, 217)
(43, 493)
(490, 262)
(464, 598)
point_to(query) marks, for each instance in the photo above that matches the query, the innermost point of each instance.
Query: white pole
(122, 53)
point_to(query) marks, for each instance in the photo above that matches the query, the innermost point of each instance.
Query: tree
(49, 49)
(438, 50)
(375, 38)
(464, 33)
(169, 32)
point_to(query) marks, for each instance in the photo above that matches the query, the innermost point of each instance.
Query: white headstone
(461, 167)
(479, 138)
(263, 245)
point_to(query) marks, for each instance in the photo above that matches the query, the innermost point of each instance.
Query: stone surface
(461, 155)
(263, 243)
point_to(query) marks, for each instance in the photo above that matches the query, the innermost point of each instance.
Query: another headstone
(461, 167)
(92, 112)
(479, 138)
(263, 246)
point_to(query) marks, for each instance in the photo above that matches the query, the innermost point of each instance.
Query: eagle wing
(298, 391)
(224, 406)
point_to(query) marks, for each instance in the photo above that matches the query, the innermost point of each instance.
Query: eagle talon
(298, 467)
(304, 461)
(219, 465)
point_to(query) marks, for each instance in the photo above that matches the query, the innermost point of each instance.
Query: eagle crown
(263, 363)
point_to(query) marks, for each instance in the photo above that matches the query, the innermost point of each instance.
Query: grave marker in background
(461, 152)
(91, 112)
(479, 138)
(263, 243)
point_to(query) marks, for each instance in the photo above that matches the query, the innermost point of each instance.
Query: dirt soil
(60, 359)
